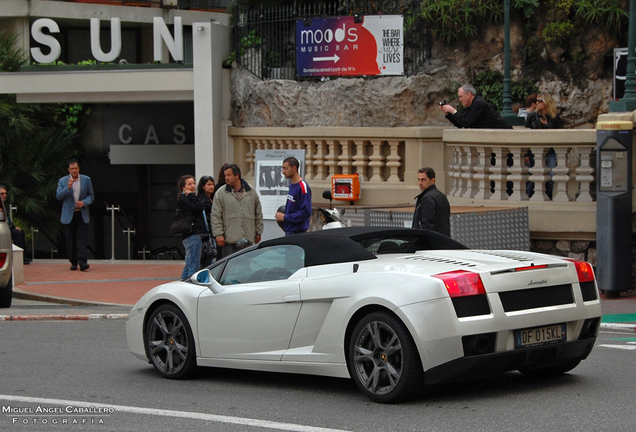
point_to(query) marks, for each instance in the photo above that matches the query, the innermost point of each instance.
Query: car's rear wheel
(169, 343)
(552, 370)
(383, 359)
(6, 294)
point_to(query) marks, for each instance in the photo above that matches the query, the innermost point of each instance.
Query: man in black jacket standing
(478, 114)
(432, 210)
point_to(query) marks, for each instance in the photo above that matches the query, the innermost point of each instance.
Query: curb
(618, 327)
(24, 295)
(76, 317)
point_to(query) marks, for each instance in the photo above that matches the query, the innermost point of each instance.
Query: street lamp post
(507, 113)
(628, 101)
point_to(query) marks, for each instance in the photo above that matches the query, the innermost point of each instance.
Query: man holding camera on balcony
(478, 114)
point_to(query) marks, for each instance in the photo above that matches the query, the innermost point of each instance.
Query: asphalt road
(69, 369)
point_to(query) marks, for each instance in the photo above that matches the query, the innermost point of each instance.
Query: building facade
(148, 59)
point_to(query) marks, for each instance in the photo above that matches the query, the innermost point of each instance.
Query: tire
(6, 294)
(169, 343)
(550, 371)
(383, 359)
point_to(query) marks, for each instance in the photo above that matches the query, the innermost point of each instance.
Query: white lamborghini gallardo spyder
(394, 309)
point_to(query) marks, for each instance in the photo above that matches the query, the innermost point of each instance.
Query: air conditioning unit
(169, 3)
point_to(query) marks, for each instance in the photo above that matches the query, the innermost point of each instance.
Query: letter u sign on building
(160, 32)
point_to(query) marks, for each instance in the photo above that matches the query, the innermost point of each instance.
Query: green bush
(489, 85)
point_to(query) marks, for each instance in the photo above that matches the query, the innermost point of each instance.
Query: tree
(36, 141)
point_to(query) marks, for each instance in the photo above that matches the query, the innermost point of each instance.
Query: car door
(253, 318)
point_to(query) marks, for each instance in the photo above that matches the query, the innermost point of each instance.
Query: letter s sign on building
(339, 46)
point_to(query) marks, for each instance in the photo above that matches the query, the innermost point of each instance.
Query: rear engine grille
(509, 255)
(536, 297)
(471, 305)
(588, 290)
(441, 260)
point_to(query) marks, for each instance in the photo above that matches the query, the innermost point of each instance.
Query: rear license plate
(540, 336)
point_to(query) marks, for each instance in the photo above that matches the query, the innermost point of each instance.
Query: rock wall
(582, 87)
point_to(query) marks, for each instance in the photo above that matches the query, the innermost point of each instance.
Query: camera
(442, 103)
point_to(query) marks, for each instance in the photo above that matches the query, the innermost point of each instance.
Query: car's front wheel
(169, 342)
(383, 359)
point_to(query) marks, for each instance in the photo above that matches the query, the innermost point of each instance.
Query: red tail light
(3, 259)
(462, 283)
(583, 270)
(534, 267)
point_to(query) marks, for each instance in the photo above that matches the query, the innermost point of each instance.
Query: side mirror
(205, 278)
(326, 194)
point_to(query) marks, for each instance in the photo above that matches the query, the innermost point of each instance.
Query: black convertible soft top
(357, 244)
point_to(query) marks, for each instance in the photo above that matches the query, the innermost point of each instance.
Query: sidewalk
(105, 282)
(123, 282)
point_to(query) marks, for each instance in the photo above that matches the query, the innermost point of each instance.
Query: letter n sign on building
(340, 46)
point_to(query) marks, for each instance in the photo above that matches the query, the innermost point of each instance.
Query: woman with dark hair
(205, 192)
(191, 207)
(221, 178)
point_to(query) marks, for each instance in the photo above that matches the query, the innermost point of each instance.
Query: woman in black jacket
(545, 115)
(191, 207)
(205, 192)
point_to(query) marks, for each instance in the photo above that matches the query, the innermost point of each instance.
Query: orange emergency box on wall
(345, 187)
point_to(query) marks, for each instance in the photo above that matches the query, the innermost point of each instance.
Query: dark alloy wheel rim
(167, 342)
(378, 359)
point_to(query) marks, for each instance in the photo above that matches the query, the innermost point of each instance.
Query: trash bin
(614, 206)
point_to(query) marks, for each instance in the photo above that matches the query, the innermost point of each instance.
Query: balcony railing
(549, 172)
(527, 166)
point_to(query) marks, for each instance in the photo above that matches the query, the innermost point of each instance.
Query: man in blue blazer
(76, 193)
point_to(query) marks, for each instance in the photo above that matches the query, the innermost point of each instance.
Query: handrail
(138, 242)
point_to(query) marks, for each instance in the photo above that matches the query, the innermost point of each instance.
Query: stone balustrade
(522, 165)
(387, 159)
(551, 171)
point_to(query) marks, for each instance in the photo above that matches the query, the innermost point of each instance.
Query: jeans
(192, 245)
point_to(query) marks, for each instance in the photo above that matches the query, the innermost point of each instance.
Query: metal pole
(143, 253)
(112, 209)
(129, 232)
(33, 231)
(630, 78)
(507, 113)
(628, 101)
(507, 96)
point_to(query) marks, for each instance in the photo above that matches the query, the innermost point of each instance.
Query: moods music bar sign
(340, 46)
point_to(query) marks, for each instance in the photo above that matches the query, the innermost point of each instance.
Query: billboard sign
(340, 46)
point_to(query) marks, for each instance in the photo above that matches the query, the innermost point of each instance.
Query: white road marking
(623, 347)
(177, 414)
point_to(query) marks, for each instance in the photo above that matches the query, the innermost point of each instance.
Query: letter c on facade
(121, 134)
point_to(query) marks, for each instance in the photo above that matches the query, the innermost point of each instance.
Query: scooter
(331, 217)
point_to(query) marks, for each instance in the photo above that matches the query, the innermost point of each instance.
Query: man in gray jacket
(236, 212)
